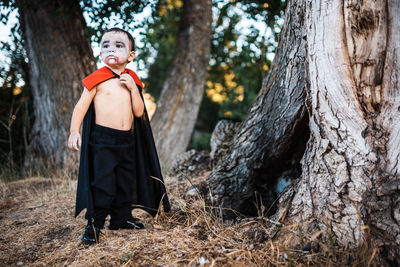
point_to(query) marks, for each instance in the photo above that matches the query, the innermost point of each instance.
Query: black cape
(150, 189)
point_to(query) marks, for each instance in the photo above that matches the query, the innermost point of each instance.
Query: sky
(5, 32)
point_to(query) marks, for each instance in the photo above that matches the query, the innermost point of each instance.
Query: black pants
(113, 155)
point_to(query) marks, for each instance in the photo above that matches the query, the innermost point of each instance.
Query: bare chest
(113, 90)
(113, 105)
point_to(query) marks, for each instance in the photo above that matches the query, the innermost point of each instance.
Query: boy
(119, 167)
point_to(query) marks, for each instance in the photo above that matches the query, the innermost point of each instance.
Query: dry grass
(37, 228)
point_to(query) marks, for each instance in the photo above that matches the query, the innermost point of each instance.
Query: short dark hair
(115, 29)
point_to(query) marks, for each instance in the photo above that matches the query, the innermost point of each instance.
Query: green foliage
(159, 41)
(248, 70)
(238, 61)
(102, 12)
(267, 11)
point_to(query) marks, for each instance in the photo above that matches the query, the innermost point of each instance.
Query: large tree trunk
(350, 175)
(182, 92)
(350, 178)
(268, 146)
(60, 56)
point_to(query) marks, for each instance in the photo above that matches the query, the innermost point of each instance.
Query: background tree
(183, 89)
(59, 57)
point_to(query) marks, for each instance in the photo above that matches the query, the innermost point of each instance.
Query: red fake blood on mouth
(112, 59)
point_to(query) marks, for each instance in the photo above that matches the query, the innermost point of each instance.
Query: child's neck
(117, 69)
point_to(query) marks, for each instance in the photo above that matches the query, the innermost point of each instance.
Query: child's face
(115, 49)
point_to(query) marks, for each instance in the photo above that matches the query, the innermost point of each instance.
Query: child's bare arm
(74, 140)
(137, 103)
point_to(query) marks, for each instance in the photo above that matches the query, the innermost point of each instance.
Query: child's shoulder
(97, 77)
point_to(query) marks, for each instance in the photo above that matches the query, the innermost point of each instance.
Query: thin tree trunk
(182, 92)
(268, 146)
(60, 56)
(350, 175)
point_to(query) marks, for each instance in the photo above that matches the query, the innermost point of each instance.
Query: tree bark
(350, 170)
(268, 145)
(60, 56)
(182, 92)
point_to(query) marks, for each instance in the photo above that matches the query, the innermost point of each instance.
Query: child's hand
(127, 81)
(74, 141)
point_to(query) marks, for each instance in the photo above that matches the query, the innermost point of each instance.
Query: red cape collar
(106, 73)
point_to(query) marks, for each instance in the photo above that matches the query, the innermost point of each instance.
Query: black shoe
(91, 234)
(132, 223)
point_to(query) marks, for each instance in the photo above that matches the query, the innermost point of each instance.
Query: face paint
(113, 50)
(120, 47)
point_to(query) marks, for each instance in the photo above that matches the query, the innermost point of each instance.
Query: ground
(38, 228)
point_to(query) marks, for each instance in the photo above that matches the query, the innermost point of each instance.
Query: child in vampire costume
(119, 167)
(147, 187)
